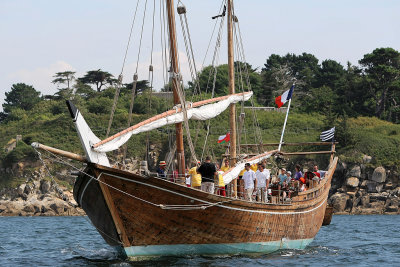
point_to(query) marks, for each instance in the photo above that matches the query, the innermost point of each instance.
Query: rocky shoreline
(356, 189)
(361, 189)
(38, 197)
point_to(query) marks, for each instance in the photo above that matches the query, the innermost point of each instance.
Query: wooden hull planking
(226, 226)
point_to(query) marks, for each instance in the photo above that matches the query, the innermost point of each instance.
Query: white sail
(205, 112)
(234, 172)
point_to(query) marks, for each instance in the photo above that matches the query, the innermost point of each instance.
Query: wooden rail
(290, 144)
(307, 153)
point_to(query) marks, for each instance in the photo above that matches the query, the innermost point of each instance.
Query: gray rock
(378, 196)
(379, 175)
(367, 159)
(374, 187)
(378, 205)
(28, 189)
(355, 171)
(44, 186)
(392, 209)
(20, 189)
(364, 201)
(352, 182)
(2, 208)
(29, 209)
(339, 202)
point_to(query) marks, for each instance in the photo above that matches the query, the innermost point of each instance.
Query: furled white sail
(205, 112)
(234, 172)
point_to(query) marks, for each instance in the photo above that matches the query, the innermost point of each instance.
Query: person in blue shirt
(282, 177)
(161, 170)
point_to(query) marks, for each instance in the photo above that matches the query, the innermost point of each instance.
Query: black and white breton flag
(327, 135)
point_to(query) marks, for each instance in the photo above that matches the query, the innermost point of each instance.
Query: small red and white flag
(282, 99)
(224, 138)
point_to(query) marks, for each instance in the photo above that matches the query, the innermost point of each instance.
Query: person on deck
(221, 184)
(282, 178)
(320, 172)
(254, 167)
(208, 172)
(262, 177)
(241, 184)
(226, 166)
(194, 176)
(161, 170)
(250, 182)
(282, 182)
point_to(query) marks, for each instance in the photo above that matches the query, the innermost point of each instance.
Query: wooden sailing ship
(148, 216)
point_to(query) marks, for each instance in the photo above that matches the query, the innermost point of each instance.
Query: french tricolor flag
(282, 99)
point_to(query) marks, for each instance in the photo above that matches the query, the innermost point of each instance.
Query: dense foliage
(361, 101)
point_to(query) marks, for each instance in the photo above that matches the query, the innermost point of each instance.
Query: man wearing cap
(208, 172)
(161, 170)
(250, 182)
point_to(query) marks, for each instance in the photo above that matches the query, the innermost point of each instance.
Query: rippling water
(72, 241)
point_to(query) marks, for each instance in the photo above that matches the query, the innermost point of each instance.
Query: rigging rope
(120, 77)
(134, 84)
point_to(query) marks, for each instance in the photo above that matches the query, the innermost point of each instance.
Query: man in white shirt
(262, 178)
(250, 182)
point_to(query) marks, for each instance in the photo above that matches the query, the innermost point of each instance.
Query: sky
(41, 37)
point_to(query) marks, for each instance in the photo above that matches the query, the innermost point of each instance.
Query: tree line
(371, 88)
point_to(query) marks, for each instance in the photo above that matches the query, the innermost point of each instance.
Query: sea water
(73, 241)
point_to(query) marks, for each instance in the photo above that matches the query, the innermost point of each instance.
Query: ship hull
(155, 217)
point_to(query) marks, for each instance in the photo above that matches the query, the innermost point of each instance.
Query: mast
(175, 82)
(232, 108)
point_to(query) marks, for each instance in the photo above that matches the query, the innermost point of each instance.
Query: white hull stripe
(215, 249)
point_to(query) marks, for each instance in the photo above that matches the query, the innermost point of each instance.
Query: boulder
(392, 209)
(29, 208)
(378, 196)
(352, 182)
(389, 186)
(20, 189)
(367, 159)
(396, 191)
(355, 171)
(44, 186)
(28, 189)
(2, 208)
(379, 175)
(356, 202)
(364, 200)
(339, 201)
(378, 205)
(374, 187)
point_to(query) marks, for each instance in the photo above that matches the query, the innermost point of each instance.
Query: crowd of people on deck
(254, 183)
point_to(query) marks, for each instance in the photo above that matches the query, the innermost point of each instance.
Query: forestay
(204, 112)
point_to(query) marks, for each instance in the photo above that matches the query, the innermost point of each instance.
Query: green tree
(141, 86)
(21, 96)
(98, 78)
(381, 70)
(65, 77)
(220, 73)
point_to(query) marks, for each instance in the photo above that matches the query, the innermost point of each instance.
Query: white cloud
(40, 78)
